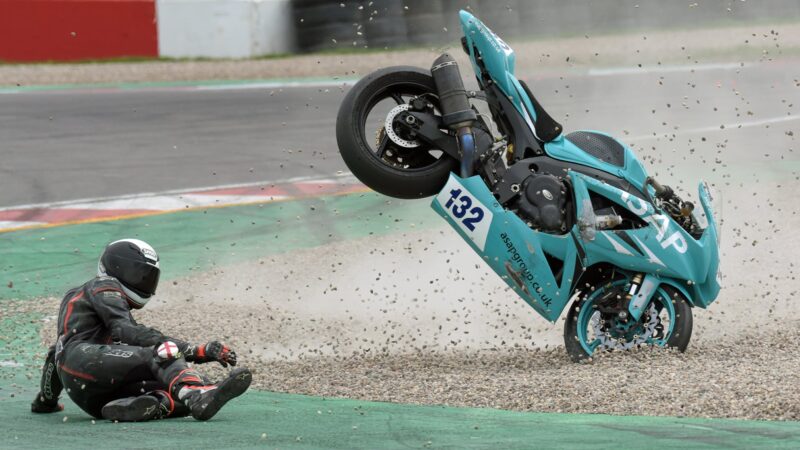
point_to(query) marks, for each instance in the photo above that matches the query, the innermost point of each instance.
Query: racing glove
(212, 351)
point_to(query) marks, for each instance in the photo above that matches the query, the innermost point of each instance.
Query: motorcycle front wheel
(666, 322)
(384, 159)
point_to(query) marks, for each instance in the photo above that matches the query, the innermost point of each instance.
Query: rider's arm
(46, 400)
(112, 307)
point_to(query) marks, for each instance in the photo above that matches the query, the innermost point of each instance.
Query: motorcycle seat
(602, 147)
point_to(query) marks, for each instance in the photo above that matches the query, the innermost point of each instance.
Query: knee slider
(168, 351)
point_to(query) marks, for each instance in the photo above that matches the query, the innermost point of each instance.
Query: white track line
(711, 129)
(16, 224)
(189, 87)
(275, 85)
(344, 177)
(611, 71)
(174, 202)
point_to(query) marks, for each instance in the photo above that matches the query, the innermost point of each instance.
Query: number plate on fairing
(466, 211)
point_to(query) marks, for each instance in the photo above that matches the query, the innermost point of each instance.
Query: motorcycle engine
(542, 202)
(531, 190)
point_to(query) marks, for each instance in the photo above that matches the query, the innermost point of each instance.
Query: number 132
(460, 210)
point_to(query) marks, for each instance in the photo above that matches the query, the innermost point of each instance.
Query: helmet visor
(139, 276)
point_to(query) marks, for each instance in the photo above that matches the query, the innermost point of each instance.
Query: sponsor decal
(149, 253)
(112, 295)
(543, 297)
(118, 353)
(523, 273)
(659, 221)
(515, 256)
(48, 375)
(494, 40)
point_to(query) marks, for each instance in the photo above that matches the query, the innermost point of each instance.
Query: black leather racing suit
(102, 354)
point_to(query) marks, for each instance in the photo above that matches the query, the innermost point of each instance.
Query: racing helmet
(134, 264)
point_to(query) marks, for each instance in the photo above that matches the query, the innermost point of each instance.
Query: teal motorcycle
(558, 216)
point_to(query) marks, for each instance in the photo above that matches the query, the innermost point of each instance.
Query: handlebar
(661, 190)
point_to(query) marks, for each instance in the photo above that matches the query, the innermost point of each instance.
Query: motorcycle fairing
(706, 292)
(662, 248)
(498, 59)
(524, 258)
(516, 253)
(496, 56)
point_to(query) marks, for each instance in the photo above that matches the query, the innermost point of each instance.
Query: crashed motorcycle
(560, 217)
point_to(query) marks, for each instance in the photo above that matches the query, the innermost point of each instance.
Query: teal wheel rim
(664, 308)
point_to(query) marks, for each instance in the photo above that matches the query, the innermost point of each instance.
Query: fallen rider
(116, 369)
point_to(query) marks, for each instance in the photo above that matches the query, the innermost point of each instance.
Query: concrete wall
(40, 30)
(68, 30)
(224, 28)
(274, 29)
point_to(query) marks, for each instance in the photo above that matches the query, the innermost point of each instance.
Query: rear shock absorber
(457, 114)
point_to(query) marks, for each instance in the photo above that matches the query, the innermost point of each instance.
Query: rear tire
(359, 156)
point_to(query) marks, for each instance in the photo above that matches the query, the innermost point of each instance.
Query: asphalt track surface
(65, 145)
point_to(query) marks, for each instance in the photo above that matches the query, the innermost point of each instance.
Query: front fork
(639, 295)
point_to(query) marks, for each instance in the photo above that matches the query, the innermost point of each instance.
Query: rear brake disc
(389, 127)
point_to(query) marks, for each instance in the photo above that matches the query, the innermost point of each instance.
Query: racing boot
(151, 406)
(204, 401)
(134, 409)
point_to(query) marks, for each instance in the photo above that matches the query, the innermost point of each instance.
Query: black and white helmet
(135, 264)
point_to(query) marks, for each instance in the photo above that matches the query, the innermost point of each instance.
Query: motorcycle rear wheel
(390, 168)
